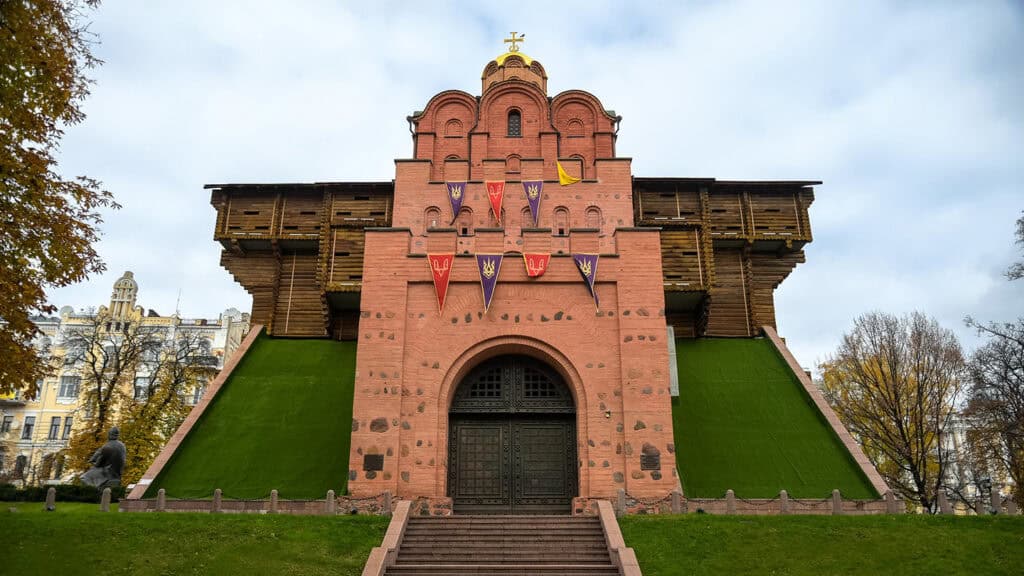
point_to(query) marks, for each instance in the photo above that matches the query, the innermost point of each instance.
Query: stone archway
(512, 440)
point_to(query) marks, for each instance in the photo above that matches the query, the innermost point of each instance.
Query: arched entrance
(512, 440)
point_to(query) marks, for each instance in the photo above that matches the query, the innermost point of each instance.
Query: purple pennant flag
(587, 265)
(489, 265)
(533, 189)
(456, 194)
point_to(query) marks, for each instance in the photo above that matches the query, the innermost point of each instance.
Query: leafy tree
(185, 363)
(1016, 270)
(996, 395)
(894, 382)
(48, 223)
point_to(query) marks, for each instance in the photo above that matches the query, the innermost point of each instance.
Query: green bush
(65, 493)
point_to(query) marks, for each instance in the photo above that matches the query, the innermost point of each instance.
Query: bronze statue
(107, 463)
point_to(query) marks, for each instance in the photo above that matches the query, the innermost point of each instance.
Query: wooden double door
(512, 441)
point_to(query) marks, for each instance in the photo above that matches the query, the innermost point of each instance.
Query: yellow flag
(563, 177)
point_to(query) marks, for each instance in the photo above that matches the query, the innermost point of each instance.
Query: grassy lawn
(815, 545)
(77, 539)
(743, 421)
(282, 421)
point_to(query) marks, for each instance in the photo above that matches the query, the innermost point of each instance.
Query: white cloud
(910, 113)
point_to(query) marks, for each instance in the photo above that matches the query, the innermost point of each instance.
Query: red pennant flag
(536, 264)
(496, 193)
(441, 270)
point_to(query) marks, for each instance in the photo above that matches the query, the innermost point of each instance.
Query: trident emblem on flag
(488, 270)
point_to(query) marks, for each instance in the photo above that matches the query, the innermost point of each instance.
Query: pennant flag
(536, 264)
(456, 194)
(489, 265)
(533, 189)
(587, 265)
(495, 193)
(563, 177)
(441, 270)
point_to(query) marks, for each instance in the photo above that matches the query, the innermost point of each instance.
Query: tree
(48, 223)
(184, 364)
(894, 382)
(1016, 270)
(996, 395)
(107, 354)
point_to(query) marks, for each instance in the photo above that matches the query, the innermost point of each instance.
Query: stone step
(479, 557)
(489, 540)
(502, 570)
(509, 530)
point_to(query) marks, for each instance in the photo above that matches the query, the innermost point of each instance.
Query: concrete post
(273, 501)
(891, 504)
(330, 505)
(783, 502)
(386, 505)
(730, 502)
(1011, 506)
(105, 500)
(997, 502)
(979, 506)
(217, 496)
(837, 503)
(677, 502)
(51, 499)
(620, 502)
(161, 500)
(944, 507)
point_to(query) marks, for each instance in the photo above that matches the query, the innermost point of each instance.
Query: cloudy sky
(911, 113)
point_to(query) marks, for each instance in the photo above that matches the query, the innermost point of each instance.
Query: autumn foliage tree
(894, 382)
(48, 223)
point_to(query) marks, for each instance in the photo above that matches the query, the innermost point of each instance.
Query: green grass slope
(743, 421)
(816, 545)
(76, 540)
(283, 420)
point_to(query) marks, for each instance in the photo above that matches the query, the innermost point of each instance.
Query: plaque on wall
(373, 462)
(650, 461)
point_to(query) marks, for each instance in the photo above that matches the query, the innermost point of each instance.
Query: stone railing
(380, 504)
(729, 503)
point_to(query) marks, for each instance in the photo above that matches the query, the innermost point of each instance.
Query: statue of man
(107, 463)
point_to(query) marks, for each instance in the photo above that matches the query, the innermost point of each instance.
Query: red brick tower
(543, 397)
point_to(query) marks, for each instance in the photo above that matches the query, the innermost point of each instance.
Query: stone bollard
(1011, 506)
(979, 506)
(944, 507)
(273, 502)
(105, 500)
(891, 504)
(385, 508)
(620, 502)
(677, 502)
(217, 497)
(783, 502)
(837, 503)
(330, 505)
(51, 499)
(997, 502)
(730, 501)
(161, 500)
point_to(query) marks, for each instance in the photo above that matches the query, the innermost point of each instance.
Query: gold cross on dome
(514, 41)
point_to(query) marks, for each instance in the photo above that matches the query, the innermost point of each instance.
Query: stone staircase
(503, 545)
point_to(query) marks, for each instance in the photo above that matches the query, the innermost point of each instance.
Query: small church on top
(516, 292)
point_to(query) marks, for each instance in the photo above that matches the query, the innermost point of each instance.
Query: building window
(466, 222)
(5, 426)
(67, 428)
(20, 463)
(453, 128)
(561, 221)
(515, 124)
(431, 217)
(26, 430)
(54, 428)
(593, 216)
(69, 386)
(512, 164)
(197, 393)
(141, 388)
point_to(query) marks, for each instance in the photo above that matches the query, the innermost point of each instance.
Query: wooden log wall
(681, 259)
(258, 274)
(729, 312)
(300, 309)
(768, 270)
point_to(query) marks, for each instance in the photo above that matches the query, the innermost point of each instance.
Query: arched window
(512, 163)
(527, 219)
(593, 216)
(574, 128)
(465, 222)
(453, 128)
(515, 124)
(561, 221)
(431, 217)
